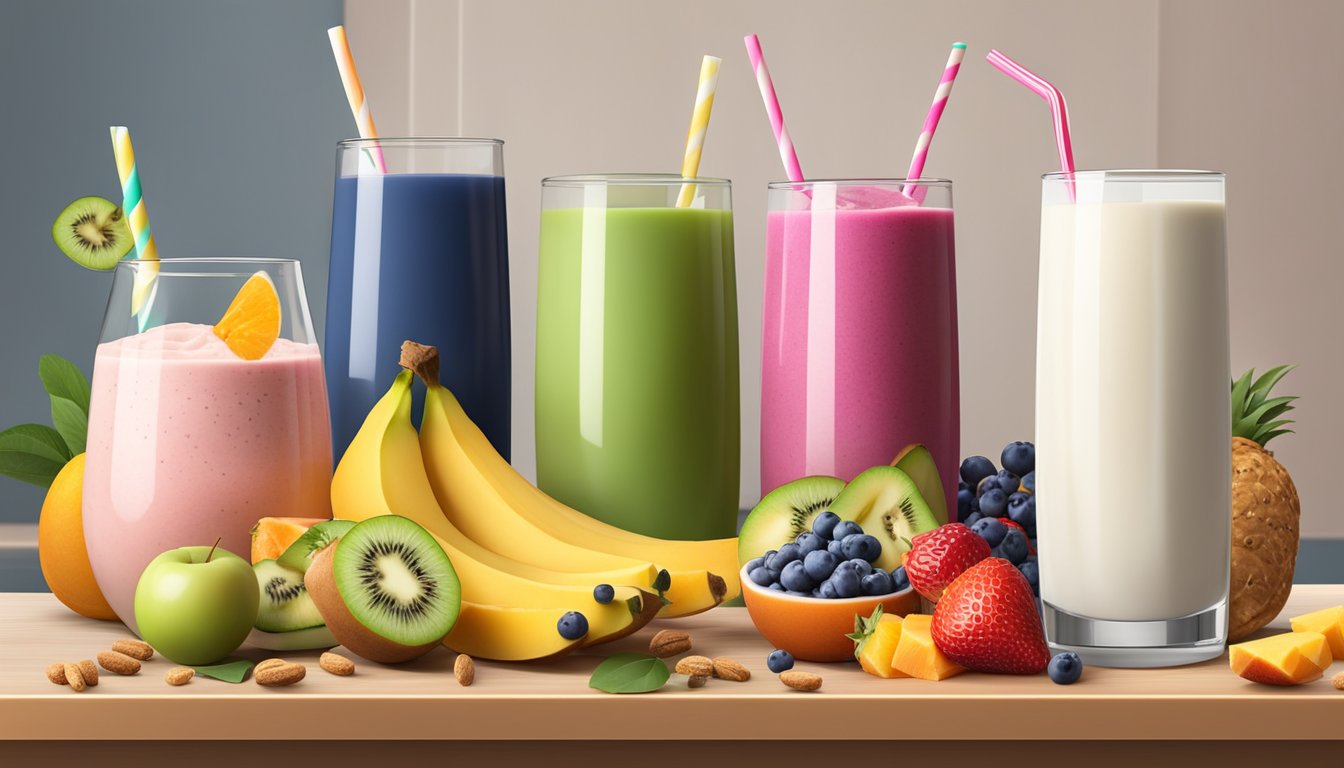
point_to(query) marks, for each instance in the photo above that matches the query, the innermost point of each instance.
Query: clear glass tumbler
(1132, 416)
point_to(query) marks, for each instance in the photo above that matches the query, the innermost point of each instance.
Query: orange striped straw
(354, 92)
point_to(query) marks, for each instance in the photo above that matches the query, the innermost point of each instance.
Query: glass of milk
(1133, 416)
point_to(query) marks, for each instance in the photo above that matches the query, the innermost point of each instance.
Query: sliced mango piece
(878, 649)
(251, 324)
(1327, 621)
(1292, 658)
(271, 536)
(917, 656)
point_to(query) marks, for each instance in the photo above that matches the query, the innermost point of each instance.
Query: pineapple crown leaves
(864, 629)
(1255, 415)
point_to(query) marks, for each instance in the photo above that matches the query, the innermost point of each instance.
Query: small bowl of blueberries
(804, 596)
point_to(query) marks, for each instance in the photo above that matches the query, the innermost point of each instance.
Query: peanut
(695, 666)
(179, 675)
(336, 664)
(74, 677)
(464, 669)
(89, 672)
(280, 674)
(669, 642)
(267, 664)
(136, 649)
(56, 673)
(120, 663)
(800, 681)
(727, 669)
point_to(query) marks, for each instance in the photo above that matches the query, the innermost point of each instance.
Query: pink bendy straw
(940, 97)
(1059, 110)
(786, 151)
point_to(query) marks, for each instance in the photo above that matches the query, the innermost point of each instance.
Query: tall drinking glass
(419, 252)
(1132, 374)
(859, 354)
(187, 442)
(637, 368)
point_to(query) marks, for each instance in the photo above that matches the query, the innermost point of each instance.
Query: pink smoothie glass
(859, 356)
(187, 442)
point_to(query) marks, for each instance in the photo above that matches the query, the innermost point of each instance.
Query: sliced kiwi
(93, 232)
(888, 505)
(916, 461)
(786, 512)
(299, 555)
(285, 602)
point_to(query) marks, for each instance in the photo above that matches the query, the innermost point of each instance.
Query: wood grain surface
(422, 701)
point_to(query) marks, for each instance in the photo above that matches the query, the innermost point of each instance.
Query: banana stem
(422, 359)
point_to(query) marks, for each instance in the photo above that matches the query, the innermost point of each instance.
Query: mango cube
(1292, 658)
(877, 650)
(1327, 621)
(917, 656)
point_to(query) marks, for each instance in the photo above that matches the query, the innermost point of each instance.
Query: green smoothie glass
(637, 368)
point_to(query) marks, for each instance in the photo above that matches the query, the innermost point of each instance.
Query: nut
(179, 675)
(120, 663)
(1338, 681)
(464, 669)
(669, 642)
(727, 669)
(800, 681)
(73, 677)
(280, 674)
(56, 673)
(136, 649)
(267, 664)
(89, 672)
(695, 666)
(336, 664)
(697, 681)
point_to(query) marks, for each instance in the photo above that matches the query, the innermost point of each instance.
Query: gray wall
(234, 108)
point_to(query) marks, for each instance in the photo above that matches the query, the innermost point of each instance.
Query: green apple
(195, 605)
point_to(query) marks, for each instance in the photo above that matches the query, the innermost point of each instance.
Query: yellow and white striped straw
(695, 137)
(354, 92)
(137, 218)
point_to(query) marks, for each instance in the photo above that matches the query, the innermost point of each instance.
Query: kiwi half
(786, 512)
(916, 461)
(285, 603)
(888, 505)
(386, 589)
(93, 232)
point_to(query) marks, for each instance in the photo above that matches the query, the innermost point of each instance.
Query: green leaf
(1271, 377)
(1264, 439)
(1239, 388)
(71, 421)
(630, 673)
(234, 671)
(864, 628)
(62, 378)
(33, 453)
(1251, 419)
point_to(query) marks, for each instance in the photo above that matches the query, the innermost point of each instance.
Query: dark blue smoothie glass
(419, 250)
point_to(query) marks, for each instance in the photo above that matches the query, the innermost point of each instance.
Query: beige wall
(606, 85)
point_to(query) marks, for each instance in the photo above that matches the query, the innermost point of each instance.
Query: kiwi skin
(348, 631)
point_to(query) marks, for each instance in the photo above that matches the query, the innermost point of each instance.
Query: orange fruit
(271, 536)
(60, 545)
(251, 324)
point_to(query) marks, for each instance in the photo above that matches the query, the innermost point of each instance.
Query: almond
(669, 642)
(73, 677)
(464, 669)
(800, 681)
(56, 673)
(267, 664)
(120, 663)
(727, 669)
(136, 649)
(88, 671)
(179, 675)
(697, 681)
(1338, 681)
(695, 666)
(280, 674)
(336, 664)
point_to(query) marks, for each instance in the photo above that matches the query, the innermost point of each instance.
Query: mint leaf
(230, 671)
(33, 453)
(62, 378)
(71, 421)
(630, 673)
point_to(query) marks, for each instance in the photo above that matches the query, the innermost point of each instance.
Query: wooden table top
(421, 700)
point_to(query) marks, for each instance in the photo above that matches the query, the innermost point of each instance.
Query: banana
(382, 473)
(509, 634)
(522, 522)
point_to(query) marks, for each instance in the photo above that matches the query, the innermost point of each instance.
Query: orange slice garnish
(251, 324)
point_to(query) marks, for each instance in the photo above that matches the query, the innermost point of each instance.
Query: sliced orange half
(251, 324)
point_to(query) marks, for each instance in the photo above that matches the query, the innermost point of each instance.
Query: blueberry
(991, 530)
(809, 542)
(834, 548)
(754, 563)
(765, 559)
(1029, 481)
(825, 523)
(1066, 668)
(1009, 482)
(762, 576)
(972, 519)
(975, 469)
(779, 661)
(775, 585)
(786, 554)
(993, 503)
(876, 583)
(1013, 548)
(965, 503)
(1024, 512)
(861, 547)
(898, 579)
(847, 582)
(1032, 572)
(795, 579)
(1019, 457)
(985, 485)
(572, 625)
(857, 565)
(603, 593)
(820, 565)
(962, 485)
(827, 590)
(846, 528)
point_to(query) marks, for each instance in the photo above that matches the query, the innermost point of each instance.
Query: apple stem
(211, 553)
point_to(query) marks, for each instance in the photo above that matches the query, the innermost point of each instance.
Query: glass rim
(443, 141)
(210, 260)
(631, 180)
(1136, 175)
(923, 181)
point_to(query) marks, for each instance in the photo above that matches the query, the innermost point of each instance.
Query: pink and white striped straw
(1059, 109)
(935, 114)
(786, 151)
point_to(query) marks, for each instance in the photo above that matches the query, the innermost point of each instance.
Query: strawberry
(937, 557)
(987, 621)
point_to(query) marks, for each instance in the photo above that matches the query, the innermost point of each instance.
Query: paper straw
(1059, 109)
(695, 137)
(354, 93)
(786, 151)
(137, 218)
(935, 114)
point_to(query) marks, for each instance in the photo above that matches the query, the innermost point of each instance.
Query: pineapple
(1265, 505)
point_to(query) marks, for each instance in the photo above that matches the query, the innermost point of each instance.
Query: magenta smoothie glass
(859, 356)
(187, 442)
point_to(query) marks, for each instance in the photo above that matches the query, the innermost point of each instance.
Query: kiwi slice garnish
(786, 512)
(93, 232)
(887, 504)
(285, 602)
